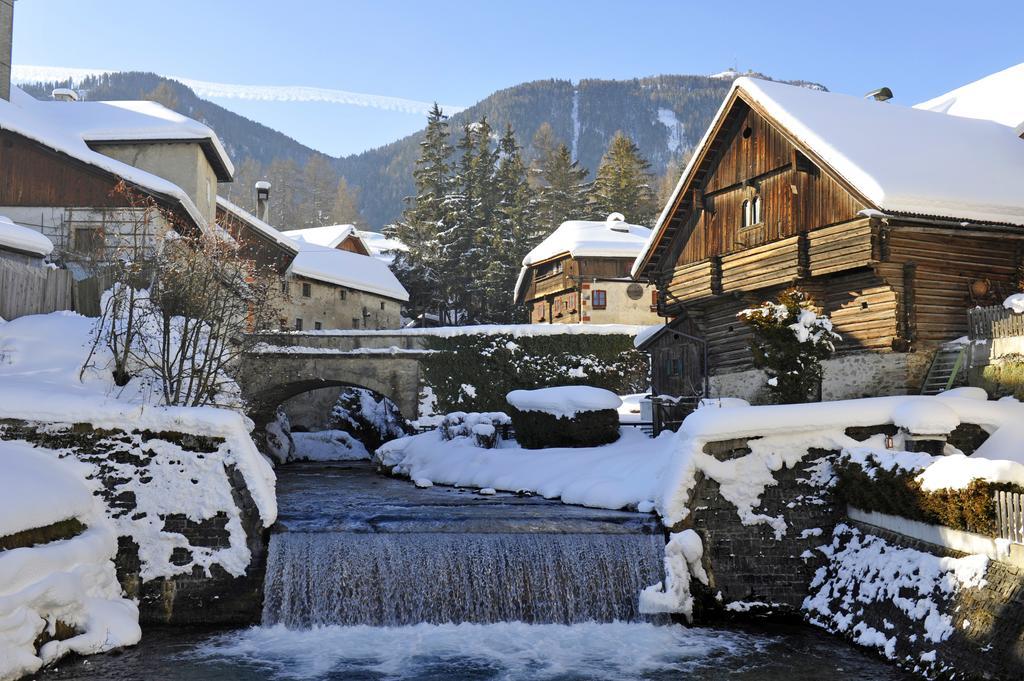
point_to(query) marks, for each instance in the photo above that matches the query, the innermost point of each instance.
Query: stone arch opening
(264, 404)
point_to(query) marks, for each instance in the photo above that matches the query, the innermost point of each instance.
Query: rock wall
(929, 609)
(749, 569)
(848, 376)
(191, 542)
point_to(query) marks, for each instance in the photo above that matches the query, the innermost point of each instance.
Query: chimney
(63, 94)
(262, 198)
(6, 39)
(882, 94)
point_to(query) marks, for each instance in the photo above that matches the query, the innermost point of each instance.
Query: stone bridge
(283, 365)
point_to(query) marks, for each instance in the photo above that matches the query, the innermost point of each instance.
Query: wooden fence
(27, 289)
(994, 322)
(1010, 516)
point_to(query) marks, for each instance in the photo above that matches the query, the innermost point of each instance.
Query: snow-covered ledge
(957, 540)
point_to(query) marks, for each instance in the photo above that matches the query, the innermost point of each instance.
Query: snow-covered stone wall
(189, 520)
(931, 610)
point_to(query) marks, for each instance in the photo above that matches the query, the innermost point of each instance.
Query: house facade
(61, 160)
(894, 220)
(320, 287)
(580, 274)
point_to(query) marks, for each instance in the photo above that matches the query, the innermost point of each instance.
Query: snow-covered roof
(901, 160)
(329, 236)
(140, 121)
(327, 264)
(49, 124)
(997, 97)
(380, 246)
(271, 233)
(18, 238)
(345, 268)
(610, 238)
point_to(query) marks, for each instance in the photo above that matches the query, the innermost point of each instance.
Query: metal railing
(1010, 516)
(994, 321)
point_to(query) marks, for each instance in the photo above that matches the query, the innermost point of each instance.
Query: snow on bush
(683, 554)
(482, 428)
(71, 581)
(864, 570)
(925, 417)
(789, 341)
(564, 401)
(279, 437)
(369, 418)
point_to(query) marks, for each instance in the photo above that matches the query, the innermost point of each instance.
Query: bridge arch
(269, 378)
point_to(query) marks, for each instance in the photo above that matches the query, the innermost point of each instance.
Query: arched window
(756, 217)
(745, 209)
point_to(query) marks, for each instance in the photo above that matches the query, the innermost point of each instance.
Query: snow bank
(72, 581)
(41, 358)
(863, 570)
(626, 473)
(21, 238)
(564, 401)
(514, 330)
(683, 554)
(1015, 303)
(328, 445)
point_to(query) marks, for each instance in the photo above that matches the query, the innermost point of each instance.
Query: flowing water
(369, 578)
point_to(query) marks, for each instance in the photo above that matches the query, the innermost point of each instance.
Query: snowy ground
(71, 581)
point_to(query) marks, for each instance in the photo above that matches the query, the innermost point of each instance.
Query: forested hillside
(664, 115)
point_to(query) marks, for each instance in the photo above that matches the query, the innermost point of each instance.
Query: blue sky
(459, 52)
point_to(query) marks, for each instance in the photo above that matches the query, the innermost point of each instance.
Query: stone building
(580, 274)
(321, 287)
(893, 219)
(62, 159)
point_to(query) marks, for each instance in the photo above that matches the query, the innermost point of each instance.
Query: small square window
(317, 325)
(355, 322)
(298, 324)
(382, 304)
(599, 298)
(284, 287)
(342, 294)
(307, 290)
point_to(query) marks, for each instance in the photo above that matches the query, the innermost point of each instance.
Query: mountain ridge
(664, 114)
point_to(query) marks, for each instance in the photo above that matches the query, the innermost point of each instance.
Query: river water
(370, 578)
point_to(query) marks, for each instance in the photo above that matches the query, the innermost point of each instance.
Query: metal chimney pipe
(263, 200)
(6, 41)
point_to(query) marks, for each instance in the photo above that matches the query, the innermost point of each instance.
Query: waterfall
(388, 579)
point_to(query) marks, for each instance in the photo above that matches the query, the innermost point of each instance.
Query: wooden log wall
(863, 309)
(756, 159)
(839, 247)
(691, 282)
(942, 267)
(770, 265)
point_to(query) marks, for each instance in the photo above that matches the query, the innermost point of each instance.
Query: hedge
(474, 372)
(537, 429)
(896, 492)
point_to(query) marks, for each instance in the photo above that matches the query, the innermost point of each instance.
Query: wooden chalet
(894, 219)
(580, 274)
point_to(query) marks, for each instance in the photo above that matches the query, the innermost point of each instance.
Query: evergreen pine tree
(563, 195)
(426, 215)
(623, 184)
(286, 179)
(506, 236)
